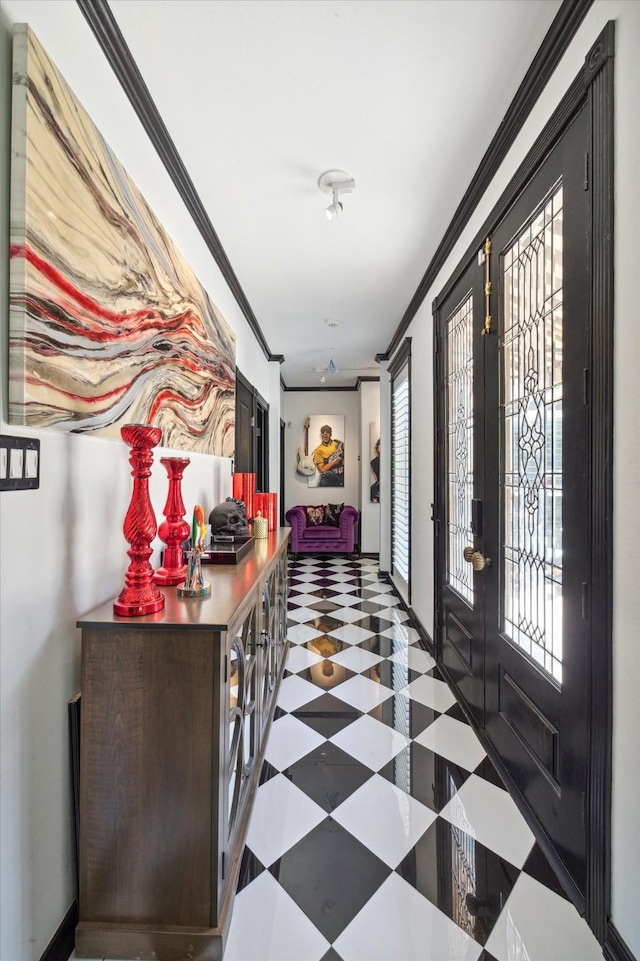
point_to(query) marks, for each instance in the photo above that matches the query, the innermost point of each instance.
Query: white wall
(370, 513)
(626, 620)
(297, 405)
(62, 551)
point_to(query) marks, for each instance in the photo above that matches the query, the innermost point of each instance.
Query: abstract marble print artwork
(108, 324)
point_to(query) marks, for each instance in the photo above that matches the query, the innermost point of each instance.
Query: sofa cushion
(321, 533)
(332, 514)
(315, 514)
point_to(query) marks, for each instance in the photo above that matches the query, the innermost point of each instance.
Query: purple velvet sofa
(322, 538)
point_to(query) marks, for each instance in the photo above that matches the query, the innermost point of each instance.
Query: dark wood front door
(244, 460)
(513, 501)
(252, 433)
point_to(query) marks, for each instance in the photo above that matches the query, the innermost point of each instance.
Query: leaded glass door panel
(462, 613)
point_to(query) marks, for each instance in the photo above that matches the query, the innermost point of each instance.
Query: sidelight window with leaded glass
(532, 345)
(459, 374)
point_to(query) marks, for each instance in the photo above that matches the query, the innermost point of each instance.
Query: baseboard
(426, 640)
(615, 947)
(63, 941)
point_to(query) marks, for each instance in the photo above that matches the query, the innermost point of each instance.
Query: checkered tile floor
(381, 831)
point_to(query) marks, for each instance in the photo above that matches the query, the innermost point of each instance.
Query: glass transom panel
(459, 341)
(532, 431)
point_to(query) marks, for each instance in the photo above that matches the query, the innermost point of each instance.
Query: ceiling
(261, 97)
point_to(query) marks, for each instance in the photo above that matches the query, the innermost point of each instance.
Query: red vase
(139, 595)
(270, 510)
(260, 504)
(244, 489)
(174, 530)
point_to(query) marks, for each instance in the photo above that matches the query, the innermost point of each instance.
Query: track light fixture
(336, 208)
(335, 182)
(331, 367)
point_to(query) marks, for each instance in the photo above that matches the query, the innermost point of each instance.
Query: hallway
(381, 830)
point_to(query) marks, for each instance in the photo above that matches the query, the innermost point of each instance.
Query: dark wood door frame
(282, 473)
(257, 451)
(593, 87)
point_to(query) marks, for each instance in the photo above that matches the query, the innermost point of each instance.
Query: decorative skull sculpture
(230, 517)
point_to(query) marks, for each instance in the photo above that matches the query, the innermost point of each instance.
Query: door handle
(477, 560)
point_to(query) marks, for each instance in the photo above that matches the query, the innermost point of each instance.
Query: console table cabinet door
(242, 722)
(282, 594)
(268, 643)
(145, 800)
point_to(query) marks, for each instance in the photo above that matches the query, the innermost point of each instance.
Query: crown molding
(356, 386)
(98, 15)
(558, 37)
(615, 947)
(308, 390)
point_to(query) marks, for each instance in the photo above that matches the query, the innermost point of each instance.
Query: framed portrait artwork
(326, 444)
(374, 463)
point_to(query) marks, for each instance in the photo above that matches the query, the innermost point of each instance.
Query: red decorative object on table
(175, 529)
(139, 595)
(270, 510)
(244, 488)
(267, 504)
(260, 504)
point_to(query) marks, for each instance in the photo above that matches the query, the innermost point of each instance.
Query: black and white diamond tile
(328, 775)
(347, 873)
(381, 831)
(371, 742)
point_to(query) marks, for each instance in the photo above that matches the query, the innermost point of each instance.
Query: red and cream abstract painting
(108, 324)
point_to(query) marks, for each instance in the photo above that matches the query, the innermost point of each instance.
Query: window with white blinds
(400, 467)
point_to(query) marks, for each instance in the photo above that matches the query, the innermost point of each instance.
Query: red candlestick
(174, 530)
(139, 596)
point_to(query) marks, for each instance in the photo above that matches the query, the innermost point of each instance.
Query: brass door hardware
(477, 559)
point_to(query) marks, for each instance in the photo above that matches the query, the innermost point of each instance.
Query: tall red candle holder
(139, 595)
(175, 529)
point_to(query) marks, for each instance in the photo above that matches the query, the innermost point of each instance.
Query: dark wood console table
(176, 708)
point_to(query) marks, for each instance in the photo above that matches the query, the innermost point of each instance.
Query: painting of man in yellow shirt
(328, 457)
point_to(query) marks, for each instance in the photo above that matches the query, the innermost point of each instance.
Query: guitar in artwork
(305, 465)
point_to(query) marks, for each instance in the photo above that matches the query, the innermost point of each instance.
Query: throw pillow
(332, 514)
(315, 515)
